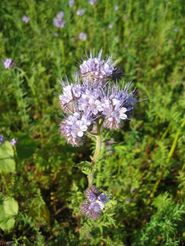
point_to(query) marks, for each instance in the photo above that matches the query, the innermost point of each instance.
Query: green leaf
(85, 167)
(8, 210)
(7, 224)
(7, 162)
(10, 206)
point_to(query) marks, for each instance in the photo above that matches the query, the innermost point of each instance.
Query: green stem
(97, 149)
(96, 155)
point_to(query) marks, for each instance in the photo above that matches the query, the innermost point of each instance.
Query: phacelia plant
(92, 104)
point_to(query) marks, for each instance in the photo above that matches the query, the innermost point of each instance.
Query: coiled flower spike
(96, 70)
(95, 203)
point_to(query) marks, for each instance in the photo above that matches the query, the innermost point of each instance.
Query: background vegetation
(143, 166)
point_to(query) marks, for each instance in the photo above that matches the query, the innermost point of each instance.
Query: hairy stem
(96, 155)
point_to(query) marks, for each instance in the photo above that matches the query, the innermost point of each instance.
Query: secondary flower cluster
(93, 206)
(93, 98)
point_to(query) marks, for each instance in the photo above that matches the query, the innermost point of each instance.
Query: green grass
(144, 173)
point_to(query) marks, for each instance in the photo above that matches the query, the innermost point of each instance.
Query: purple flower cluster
(94, 204)
(25, 19)
(71, 3)
(92, 99)
(8, 63)
(58, 21)
(83, 36)
(96, 69)
(74, 127)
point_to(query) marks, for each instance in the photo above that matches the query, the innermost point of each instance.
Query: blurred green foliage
(142, 169)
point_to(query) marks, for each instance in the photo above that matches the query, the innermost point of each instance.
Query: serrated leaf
(85, 167)
(7, 162)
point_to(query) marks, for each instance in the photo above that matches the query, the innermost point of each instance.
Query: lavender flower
(74, 127)
(92, 194)
(83, 36)
(103, 198)
(1, 139)
(87, 102)
(68, 99)
(71, 3)
(97, 70)
(8, 63)
(95, 203)
(25, 19)
(92, 2)
(90, 102)
(58, 21)
(13, 141)
(116, 107)
(80, 12)
(114, 113)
